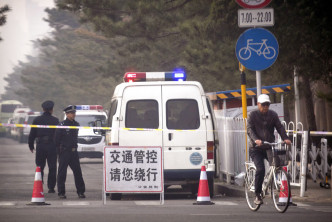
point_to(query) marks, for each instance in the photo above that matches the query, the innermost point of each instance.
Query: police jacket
(261, 127)
(42, 135)
(66, 139)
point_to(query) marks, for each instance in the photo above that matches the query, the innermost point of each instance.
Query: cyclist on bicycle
(261, 125)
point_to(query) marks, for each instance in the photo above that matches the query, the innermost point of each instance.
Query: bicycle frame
(267, 180)
(258, 51)
(267, 51)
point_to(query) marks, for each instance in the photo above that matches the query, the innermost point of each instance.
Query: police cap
(70, 108)
(47, 105)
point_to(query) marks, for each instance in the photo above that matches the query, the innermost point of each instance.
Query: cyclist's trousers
(258, 156)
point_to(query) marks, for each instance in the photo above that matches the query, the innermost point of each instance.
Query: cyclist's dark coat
(261, 127)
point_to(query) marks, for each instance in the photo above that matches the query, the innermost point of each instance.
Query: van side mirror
(98, 123)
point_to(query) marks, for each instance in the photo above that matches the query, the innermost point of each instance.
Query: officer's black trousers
(258, 155)
(70, 158)
(47, 151)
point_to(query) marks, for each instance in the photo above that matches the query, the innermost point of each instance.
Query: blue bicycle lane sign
(257, 49)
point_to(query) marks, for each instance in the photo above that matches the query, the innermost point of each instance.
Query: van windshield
(182, 114)
(89, 120)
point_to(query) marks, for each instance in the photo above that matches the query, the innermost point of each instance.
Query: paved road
(17, 171)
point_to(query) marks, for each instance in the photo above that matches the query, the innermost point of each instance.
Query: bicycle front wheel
(250, 189)
(280, 187)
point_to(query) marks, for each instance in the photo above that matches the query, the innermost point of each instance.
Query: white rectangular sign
(255, 17)
(133, 169)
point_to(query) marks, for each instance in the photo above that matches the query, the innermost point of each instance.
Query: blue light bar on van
(89, 107)
(154, 76)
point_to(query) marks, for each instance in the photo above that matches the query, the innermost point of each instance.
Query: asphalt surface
(314, 192)
(17, 171)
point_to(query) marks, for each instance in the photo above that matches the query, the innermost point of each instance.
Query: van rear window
(182, 114)
(142, 114)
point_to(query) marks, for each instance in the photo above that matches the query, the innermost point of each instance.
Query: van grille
(89, 139)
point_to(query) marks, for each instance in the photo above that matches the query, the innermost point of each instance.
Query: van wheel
(116, 196)
(211, 186)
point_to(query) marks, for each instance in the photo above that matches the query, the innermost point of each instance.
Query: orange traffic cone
(290, 194)
(37, 193)
(203, 196)
(283, 195)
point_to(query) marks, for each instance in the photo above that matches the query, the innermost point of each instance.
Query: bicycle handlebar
(274, 143)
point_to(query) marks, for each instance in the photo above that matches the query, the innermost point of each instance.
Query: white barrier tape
(321, 133)
(141, 129)
(53, 126)
(104, 128)
(312, 133)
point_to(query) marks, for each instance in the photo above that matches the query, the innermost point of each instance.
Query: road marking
(142, 203)
(76, 203)
(226, 203)
(7, 204)
(209, 214)
(325, 209)
(302, 205)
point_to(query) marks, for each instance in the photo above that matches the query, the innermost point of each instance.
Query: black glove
(31, 148)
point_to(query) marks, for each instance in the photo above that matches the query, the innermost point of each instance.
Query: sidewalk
(314, 192)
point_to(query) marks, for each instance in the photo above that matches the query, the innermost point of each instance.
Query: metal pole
(103, 188)
(224, 107)
(244, 106)
(244, 95)
(304, 160)
(297, 96)
(259, 82)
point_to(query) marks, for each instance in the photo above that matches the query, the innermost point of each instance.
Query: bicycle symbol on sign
(267, 51)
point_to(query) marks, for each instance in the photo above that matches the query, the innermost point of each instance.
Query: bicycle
(268, 51)
(277, 180)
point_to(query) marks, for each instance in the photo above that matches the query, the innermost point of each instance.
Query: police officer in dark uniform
(66, 144)
(45, 147)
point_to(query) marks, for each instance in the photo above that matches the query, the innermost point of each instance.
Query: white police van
(29, 118)
(162, 109)
(19, 115)
(90, 144)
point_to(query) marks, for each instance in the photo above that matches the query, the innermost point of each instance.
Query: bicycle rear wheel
(250, 189)
(280, 188)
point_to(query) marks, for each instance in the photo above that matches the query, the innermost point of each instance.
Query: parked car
(28, 120)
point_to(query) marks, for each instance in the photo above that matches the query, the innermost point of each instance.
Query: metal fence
(232, 147)
(233, 152)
